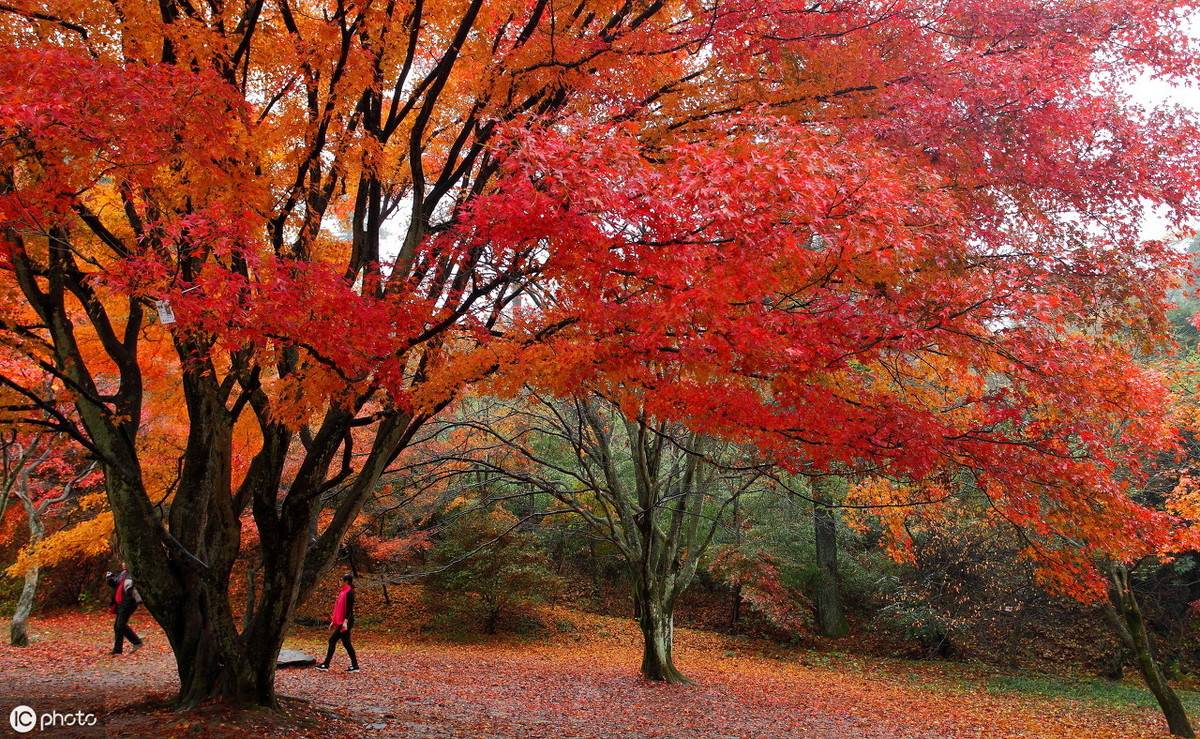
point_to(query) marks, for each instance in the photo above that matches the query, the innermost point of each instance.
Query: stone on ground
(294, 658)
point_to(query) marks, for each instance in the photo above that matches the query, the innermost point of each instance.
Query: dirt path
(571, 685)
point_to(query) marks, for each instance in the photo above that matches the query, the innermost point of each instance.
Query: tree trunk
(248, 614)
(19, 634)
(597, 591)
(188, 594)
(657, 621)
(216, 664)
(1126, 617)
(827, 592)
(560, 553)
(735, 599)
(212, 661)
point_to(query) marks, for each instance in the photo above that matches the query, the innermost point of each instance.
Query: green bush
(485, 569)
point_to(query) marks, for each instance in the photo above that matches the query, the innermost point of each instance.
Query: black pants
(344, 638)
(121, 628)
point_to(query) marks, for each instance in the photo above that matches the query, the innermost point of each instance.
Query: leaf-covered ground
(581, 680)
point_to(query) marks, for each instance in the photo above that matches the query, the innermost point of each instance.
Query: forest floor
(578, 680)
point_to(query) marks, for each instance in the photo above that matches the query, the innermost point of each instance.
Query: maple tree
(43, 475)
(1170, 487)
(889, 238)
(657, 492)
(38, 471)
(755, 577)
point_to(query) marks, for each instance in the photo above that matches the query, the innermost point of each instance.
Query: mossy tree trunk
(827, 597)
(1125, 614)
(657, 622)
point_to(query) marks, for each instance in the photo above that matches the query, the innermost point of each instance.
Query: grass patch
(1096, 692)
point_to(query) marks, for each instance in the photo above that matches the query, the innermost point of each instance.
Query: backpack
(113, 582)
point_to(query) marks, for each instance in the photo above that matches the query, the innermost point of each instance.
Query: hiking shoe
(323, 668)
(354, 668)
(134, 647)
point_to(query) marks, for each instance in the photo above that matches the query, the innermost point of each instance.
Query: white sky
(1153, 92)
(1147, 91)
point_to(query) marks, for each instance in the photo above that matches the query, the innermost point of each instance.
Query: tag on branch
(166, 315)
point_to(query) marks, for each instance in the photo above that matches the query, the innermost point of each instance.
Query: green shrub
(484, 570)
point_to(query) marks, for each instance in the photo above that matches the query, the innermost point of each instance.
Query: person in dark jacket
(340, 623)
(125, 601)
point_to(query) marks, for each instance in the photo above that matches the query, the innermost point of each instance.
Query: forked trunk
(212, 660)
(207, 676)
(241, 673)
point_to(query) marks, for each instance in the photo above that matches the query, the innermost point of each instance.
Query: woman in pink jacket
(340, 624)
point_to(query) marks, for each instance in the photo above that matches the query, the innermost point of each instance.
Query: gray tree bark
(19, 631)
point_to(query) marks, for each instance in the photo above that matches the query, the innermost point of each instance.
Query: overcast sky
(1154, 92)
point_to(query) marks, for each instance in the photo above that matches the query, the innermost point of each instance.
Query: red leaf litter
(582, 682)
